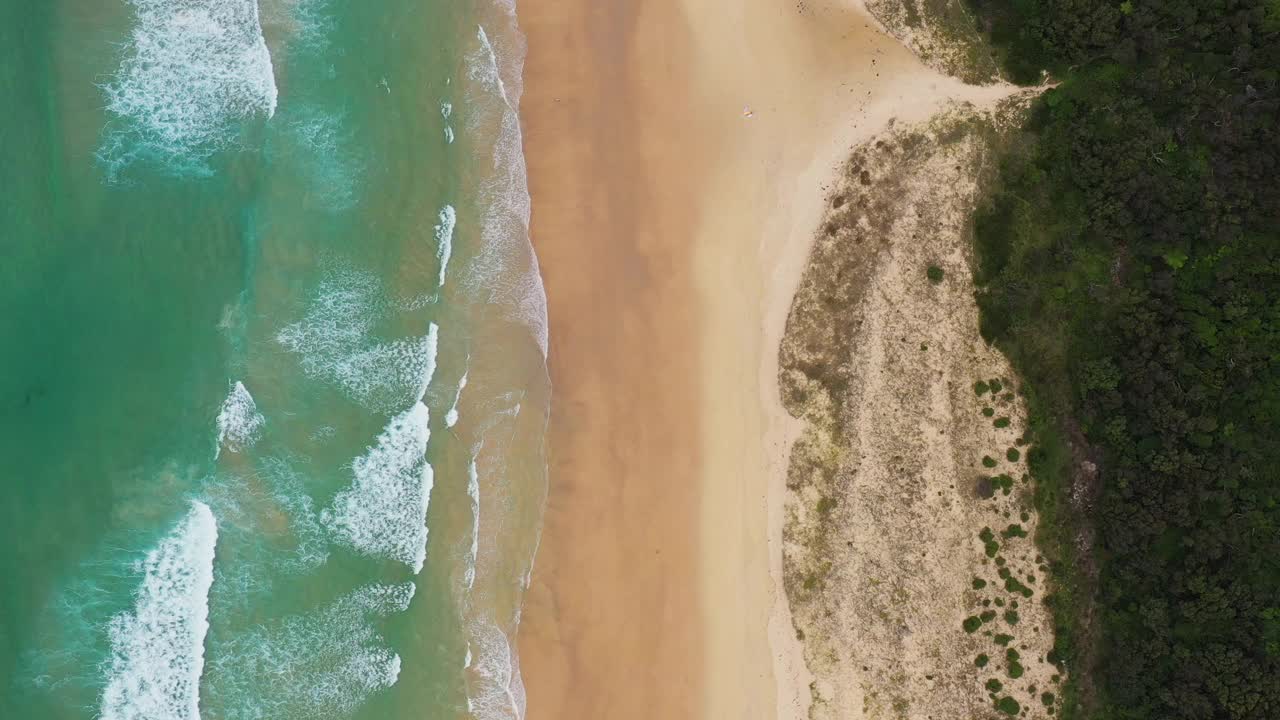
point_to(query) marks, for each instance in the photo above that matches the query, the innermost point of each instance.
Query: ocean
(273, 387)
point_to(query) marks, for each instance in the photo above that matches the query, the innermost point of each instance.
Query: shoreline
(657, 590)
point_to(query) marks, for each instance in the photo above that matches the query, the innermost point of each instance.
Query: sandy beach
(680, 154)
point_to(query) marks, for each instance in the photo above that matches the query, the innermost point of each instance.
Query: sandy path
(672, 231)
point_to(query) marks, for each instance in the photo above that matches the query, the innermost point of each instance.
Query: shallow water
(273, 389)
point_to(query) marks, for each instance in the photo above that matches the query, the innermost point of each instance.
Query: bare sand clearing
(680, 155)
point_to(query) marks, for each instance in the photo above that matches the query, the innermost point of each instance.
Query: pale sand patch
(885, 513)
(678, 151)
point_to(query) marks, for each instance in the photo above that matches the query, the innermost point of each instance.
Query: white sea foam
(336, 344)
(446, 109)
(193, 69)
(321, 665)
(239, 420)
(157, 650)
(494, 687)
(505, 270)
(319, 143)
(384, 512)
(451, 417)
(444, 238)
(473, 492)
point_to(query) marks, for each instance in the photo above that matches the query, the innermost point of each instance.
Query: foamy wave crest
(321, 665)
(451, 417)
(239, 420)
(506, 269)
(157, 651)
(194, 68)
(444, 238)
(334, 340)
(384, 513)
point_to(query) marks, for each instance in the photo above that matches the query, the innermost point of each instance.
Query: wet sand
(677, 154)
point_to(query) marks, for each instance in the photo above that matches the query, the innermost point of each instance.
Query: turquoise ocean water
(272, 360)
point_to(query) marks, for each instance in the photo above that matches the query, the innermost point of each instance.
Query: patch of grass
(1001, 422)
(995, 685)
(982, 660)
(988, 411)
(935, 274)
(1047, 699)
(1004, 482)
(1016, 670)
(987, 616)
(1013, 531)
(1008, 706)
(1003, 639)
(1011, 584)
(980, 388)
(979, 583)
(971, 624)
(1013, 455)
(995, 385)
(826, 505)
(988, 461)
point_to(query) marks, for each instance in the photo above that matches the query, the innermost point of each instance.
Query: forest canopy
(1129, 265)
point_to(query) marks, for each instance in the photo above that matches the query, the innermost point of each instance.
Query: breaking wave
(444, 238)
(157, 650)
(239, 420)
(336, 344)
(192, 71)
(384, 512)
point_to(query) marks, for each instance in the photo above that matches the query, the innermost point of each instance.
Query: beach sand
(679, 155)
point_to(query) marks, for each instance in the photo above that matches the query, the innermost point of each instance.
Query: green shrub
(995, 685)
(988, 461)
(934, 273)
(979, 583)
(1008, 706)
(988, 411)
(1047, 699)
(971, 624)
(989, 543)
(995, 385)
(980, 388)
(982, 660)
(1003, 639)
(1001, 422)
(987, 616)
(1012, 454)
(1015, 670)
